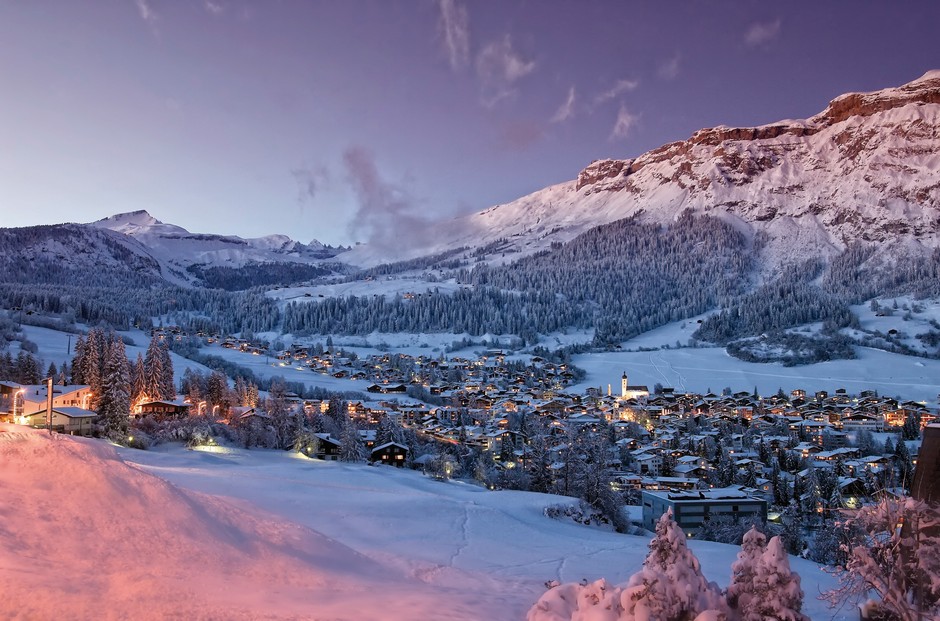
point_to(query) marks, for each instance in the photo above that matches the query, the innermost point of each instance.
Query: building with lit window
(691, 509)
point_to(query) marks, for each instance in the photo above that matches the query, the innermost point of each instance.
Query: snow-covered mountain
(867, 168)
(174, 245)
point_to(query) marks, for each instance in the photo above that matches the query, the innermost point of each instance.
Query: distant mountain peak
(141, 217)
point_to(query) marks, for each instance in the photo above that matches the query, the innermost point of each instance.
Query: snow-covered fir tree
(671, 586)
(114, 404)
(158, 371)
(92, 365)
(775, 591)
(138, 378)
(741, 589)
(351, 449)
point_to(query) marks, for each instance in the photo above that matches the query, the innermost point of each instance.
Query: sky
(333, 120)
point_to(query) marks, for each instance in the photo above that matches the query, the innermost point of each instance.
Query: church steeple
(623, 385)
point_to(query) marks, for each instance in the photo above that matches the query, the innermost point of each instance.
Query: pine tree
(792, 528)
(671, 586)
(78, 361)
(64, 373)
(539, 465)
(166, 384)
(903, 465)
(114, 405)
(741, 589)
(776, 592)
(153, 370)
(138, 379)
(216, 391)
(282, 420)
(351, 449)
(93, 365)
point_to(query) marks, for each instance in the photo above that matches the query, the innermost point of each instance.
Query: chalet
(161, 409)
(859, 422)
(648, 463)
(70, 420)
(390, 453)
(328, 448)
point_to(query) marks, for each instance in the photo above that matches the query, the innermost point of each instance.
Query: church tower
(623, 385)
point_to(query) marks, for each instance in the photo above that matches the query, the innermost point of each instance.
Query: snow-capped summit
(864, 169)
(137, 224)
(177, 247)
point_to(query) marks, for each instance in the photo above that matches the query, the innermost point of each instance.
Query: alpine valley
(770, 239)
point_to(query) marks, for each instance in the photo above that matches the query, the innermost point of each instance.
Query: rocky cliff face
(867, 168)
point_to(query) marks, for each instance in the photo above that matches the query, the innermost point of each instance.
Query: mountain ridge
(176, 246)
(863, 169)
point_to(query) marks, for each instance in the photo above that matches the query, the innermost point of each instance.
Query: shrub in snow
(897, 558)
(597, 601)
(670, 587)
(581, 513)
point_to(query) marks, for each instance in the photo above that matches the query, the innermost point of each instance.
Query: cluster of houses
(393, 373)
(482, 396)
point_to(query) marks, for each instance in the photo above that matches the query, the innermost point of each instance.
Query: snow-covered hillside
(176, 246)
(91, 533)
(867, 168)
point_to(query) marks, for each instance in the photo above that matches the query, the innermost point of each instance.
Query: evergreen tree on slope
(776, 592)
(671, 586)
(114, 405)
(741, 590)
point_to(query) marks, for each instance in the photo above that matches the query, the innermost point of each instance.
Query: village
(508, 422)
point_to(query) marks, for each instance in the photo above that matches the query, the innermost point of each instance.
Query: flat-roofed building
(692, 508)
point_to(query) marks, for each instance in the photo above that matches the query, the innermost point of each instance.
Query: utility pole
(49, 381)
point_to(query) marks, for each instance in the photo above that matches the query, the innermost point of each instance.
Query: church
(631, 392)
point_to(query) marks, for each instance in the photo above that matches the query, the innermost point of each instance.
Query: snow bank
(87, 536)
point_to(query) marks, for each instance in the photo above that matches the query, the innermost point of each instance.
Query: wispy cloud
(499, 67)
(386, 214)
(669, 68)
(566, 109)
(214, 7)
(619, 88)
(762, 33)
(310, 181)
(624, 123)
(455, 28)
(146, 11)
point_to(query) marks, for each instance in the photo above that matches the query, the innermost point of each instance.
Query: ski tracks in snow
(675, 380)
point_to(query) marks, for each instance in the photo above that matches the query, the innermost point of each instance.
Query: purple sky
(325, 119)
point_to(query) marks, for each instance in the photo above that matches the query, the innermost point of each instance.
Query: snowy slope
(176, 246)
(866, 168)
(269, 535)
